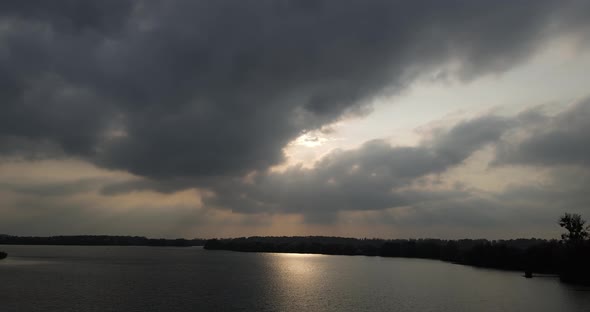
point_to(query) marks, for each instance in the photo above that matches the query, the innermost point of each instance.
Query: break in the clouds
(378, 176)
(207, 94)
(363, 178)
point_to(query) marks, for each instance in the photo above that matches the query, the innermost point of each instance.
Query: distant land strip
(569, 261)
(99, 240)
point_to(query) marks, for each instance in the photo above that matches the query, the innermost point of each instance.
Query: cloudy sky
(388, 119)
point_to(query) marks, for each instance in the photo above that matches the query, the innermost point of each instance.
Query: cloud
(28, 213)
(203, 96)
(563, 139)
(380, 177)
(375, 176)
(376, 186)
(186, 90)
(55, 188)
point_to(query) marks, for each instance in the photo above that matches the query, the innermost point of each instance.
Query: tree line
(568, 257)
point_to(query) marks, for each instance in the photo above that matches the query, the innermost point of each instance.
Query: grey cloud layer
(378, 176)
(366, 178)
(563, 139)
(200, 93)
(187, 89)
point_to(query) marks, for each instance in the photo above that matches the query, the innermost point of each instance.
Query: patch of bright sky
(557, 75)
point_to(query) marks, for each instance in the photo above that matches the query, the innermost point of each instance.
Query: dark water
(56, 278)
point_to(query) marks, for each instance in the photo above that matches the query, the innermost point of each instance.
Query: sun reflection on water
(301, 266)
(297, 276)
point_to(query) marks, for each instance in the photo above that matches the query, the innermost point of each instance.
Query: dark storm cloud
(186, 89)
(71, 15)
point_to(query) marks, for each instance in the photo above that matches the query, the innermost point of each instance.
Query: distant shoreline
(98, 240)
(538, 256)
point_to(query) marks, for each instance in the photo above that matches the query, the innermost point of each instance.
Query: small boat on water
(3, 255)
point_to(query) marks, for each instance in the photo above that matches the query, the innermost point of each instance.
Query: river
(83, 278)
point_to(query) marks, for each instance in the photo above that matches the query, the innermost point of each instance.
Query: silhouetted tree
(575, 268)
(574, 224)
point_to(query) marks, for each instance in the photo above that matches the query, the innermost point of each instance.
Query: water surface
(64, 278)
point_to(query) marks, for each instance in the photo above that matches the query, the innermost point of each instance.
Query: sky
(443, 119)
